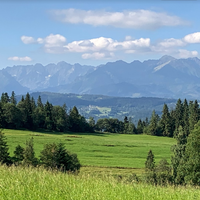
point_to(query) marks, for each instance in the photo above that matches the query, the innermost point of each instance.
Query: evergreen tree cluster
(184, 116)
(35, 115)
(53, 156)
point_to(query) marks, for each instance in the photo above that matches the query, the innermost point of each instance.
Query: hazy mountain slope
(8, 84)
(165, 77)
(37, 77)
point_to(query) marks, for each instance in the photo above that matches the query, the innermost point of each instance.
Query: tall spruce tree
(13, 98)
(194, 114)
(150, 168)
(178, 155)
(185, 118)
(178, 116)
(153, 125)
(190, 168)
(4, 154)
(166, 122)
(29, 154)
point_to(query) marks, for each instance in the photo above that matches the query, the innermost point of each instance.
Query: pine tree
(18, 154)
(29, 154)
(186, 118)
(4, 155)
(165, 122)
(48, 116)
(5, 98)
(153, 126)
(194, 114)
(178, 116)
(28, 112)
(140, 127)
(13, 98)
(150, 168)
(150, 163)
(190, 168)
(179, 153)
(131, 127)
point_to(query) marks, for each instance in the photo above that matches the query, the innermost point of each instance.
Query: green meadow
(99, 152)
(17, 183)
(103, 156)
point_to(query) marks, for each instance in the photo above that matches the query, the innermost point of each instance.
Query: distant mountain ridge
(165, 77)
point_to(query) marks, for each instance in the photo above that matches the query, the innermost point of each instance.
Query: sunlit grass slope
(18, 183)
(93, 149)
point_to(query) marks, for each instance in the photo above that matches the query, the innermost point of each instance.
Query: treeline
(53, 156)
(184, 115)
(35, 115)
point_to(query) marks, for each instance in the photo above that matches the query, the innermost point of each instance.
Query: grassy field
(101, 150)
(18, 183)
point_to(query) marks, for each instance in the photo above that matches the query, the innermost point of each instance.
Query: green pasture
(99, 149)
(18, 183)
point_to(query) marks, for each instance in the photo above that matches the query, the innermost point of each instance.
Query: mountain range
(166, 77)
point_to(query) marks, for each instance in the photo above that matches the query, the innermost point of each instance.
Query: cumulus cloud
(27, 39)
(183, 53)
(97, 55)
(22, 59)
(136, 19)
(52, 43)
(171, 42)
(104, 48)
(192, 38)
(106, 44)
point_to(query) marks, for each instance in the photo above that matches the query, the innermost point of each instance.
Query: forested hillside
(100, 106)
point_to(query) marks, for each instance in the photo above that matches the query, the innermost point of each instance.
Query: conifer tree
(186, 118)
(150, 168)
(153, 125)
(29, 154)
(166, 122)
(28, 111)
(179, 153)
(13, 98)
(194, 114)
(5, 98)
(140, 127)
(190, 168)
(48, 116)
(18, 154)
(150, 163)
(4, 155)
(178, 116)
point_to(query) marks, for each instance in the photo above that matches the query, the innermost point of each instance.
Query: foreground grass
(17, 183)
(102, 150)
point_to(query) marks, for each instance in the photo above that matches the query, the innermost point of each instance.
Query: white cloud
(97, 55)
(22, 59)
(192, 38)
(106, 44)
(183, 53)
(27, 39)
(52, 43)
(136, 19)
(104, 48)
(171, 42)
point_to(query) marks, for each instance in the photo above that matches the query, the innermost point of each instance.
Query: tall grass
(19, 183)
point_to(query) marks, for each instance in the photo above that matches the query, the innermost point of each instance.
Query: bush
(55, 156)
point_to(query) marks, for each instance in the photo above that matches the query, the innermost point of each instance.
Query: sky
(96, 32)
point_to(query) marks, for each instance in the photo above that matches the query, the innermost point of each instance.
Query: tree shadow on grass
(42, 131)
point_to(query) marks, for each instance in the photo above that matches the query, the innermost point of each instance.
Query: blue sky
(95, 33)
